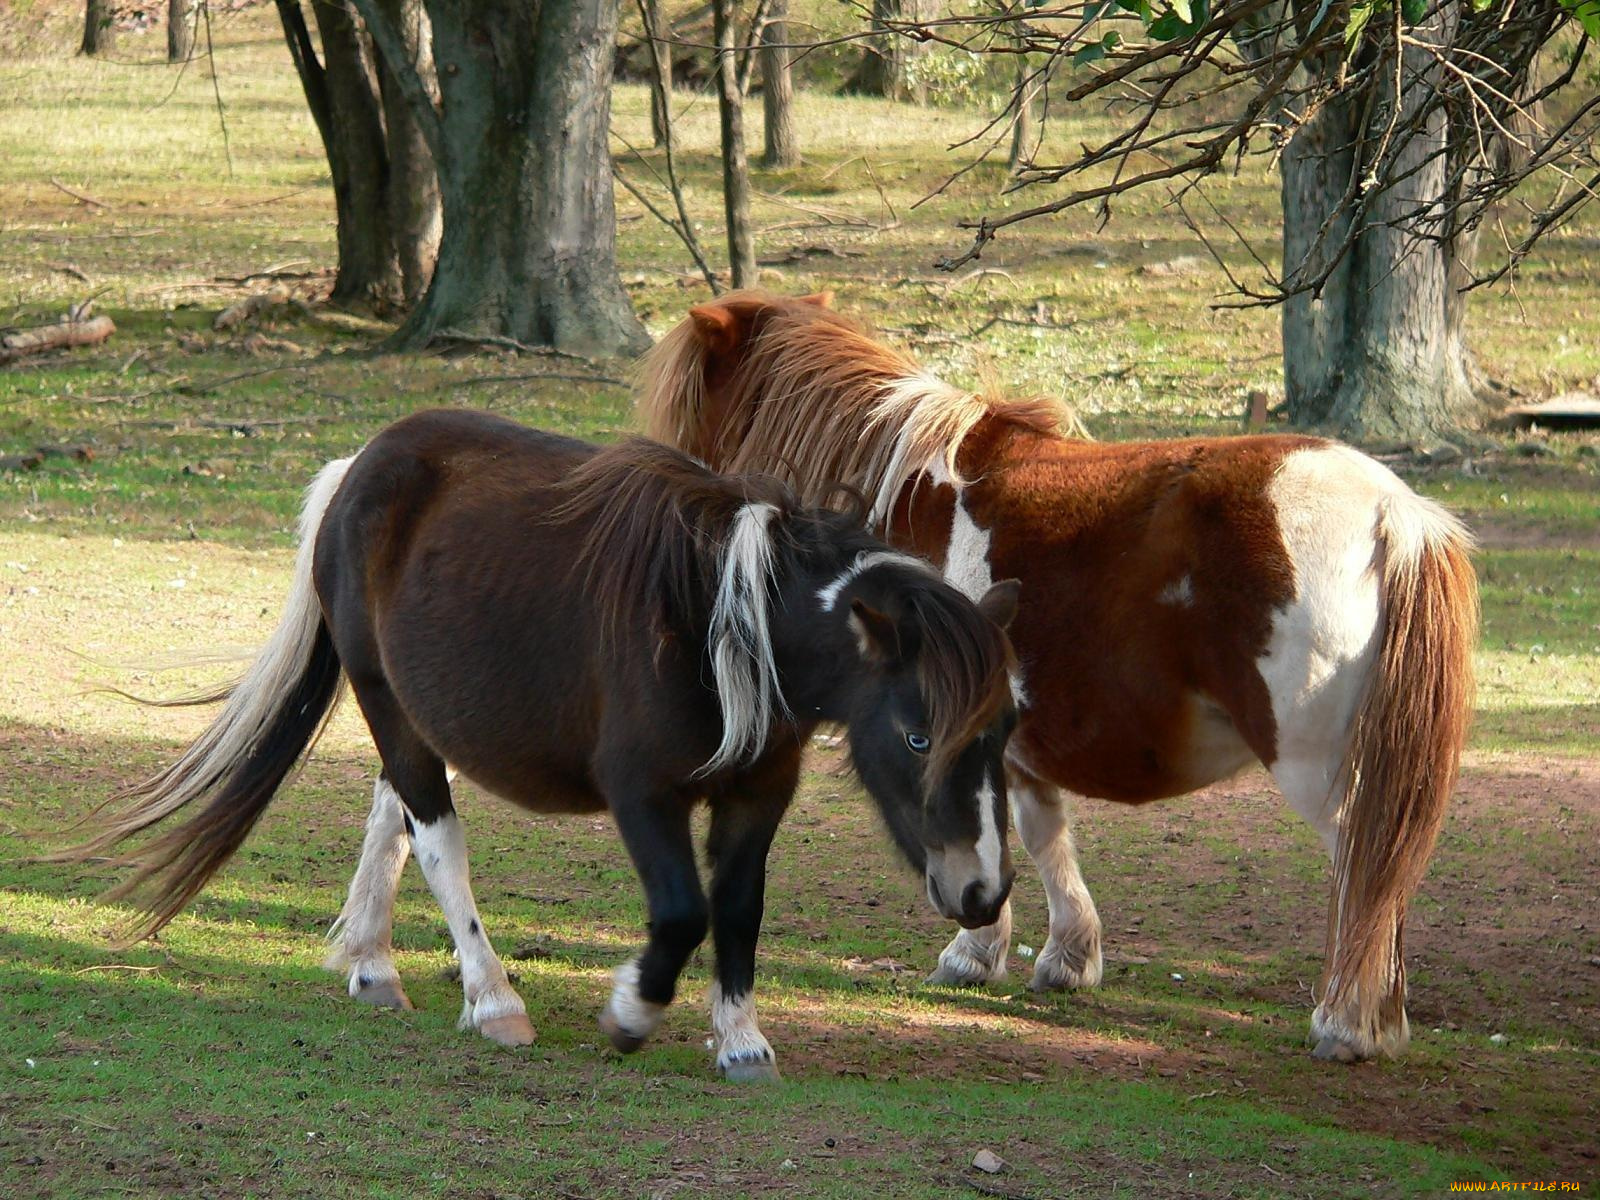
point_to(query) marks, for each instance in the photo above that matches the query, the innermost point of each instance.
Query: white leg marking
(490, 1006)
(1071, 957)
(976, 956)
(361, 936)
(636, 1017)
(743, 1053)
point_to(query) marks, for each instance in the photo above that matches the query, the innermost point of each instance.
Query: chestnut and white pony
(1187, 607)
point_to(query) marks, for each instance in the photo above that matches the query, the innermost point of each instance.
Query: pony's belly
(538, 791)
(1139, 758)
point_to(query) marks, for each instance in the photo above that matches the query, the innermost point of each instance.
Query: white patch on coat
(1330, 502)
(733, 1024)
(361, 937)
(741, 640)
(1346, 522)
(1179, 593)
(966, 559)
(441, 850)
(636, 1016)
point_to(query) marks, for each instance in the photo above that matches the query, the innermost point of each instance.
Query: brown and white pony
(1187, 607)
(578, 630)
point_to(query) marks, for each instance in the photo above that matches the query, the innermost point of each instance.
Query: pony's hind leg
(741, 835)
(490, 1004)
(1071, 957)
(362, 935)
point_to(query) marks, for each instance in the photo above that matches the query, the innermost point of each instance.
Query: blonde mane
(815, 400)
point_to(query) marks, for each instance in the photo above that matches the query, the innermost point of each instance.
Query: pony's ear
(822, 299)
(716, 325)
(999, 603)
(876, 633)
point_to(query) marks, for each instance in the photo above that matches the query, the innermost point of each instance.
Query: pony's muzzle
(979, 901)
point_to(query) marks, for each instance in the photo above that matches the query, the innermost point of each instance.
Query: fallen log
(55, 337)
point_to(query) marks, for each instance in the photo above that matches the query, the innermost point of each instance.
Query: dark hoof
(1331, 1049)
(758, 1070)
(513, 1029)
(384, 995)
(623, 1041)
(944, 977)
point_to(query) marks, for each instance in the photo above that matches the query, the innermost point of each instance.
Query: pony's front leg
(741, 834)
(1071, 957)
(361, 937)
(656, 831)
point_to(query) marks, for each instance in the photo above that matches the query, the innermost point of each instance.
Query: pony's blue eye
(918, 742)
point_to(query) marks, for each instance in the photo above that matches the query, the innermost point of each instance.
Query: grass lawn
(221, 1060)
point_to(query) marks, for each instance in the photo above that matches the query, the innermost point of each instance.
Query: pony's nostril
(972, 898)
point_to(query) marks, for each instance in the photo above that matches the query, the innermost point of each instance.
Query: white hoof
(1334, 1040)
(967, 962)
(1061, 967)
(499, 1015)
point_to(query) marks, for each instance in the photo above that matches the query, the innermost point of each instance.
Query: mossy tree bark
(519, 138)
(782, 148)
(1378, 352)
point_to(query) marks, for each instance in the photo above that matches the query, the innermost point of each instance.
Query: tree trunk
(885, 65)
(98, 34)
(1378, 354)
(1021, 112)
(777, 91)
(369, 271)
(657, 26)
(735, 165)
(180, 30)
(413, 184)
(528, 250)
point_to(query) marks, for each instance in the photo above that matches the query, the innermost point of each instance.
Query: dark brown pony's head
(931, 713)
(804, 616)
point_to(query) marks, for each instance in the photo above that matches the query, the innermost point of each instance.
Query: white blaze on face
(954, 868)
(989, 844)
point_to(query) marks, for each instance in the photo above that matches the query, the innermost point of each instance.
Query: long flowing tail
(272, 716)
(1404, 758)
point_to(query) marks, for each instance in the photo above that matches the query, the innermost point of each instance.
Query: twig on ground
(987, 1188)
(476, 380)
(509, 343)
(72, 269)
(116, 967)
(77, 195)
